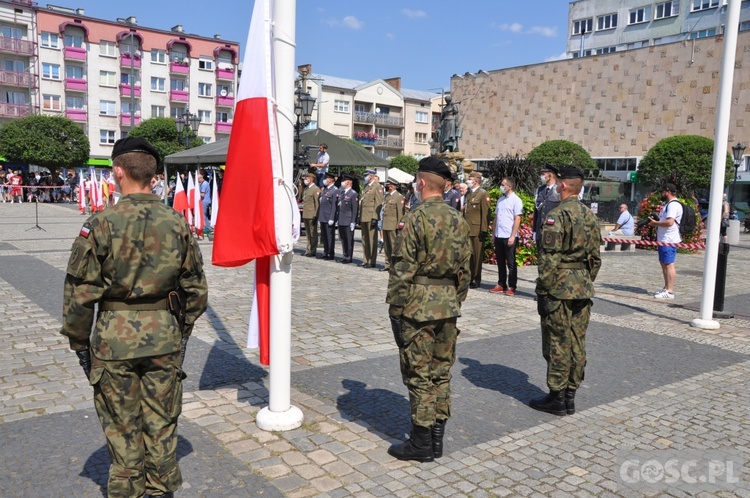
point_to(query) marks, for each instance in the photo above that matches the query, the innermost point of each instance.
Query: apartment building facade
(597, 27)
(108, 76)
(382, 116)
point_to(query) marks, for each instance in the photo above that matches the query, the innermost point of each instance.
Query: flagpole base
(705, 324)
(279, 421)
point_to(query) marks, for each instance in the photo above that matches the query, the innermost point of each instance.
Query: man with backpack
(668, 230)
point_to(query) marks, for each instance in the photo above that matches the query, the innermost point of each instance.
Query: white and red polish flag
(190, 199)
(254, 191)
(100, 192)
(198, 220)
(214, 202)
(180, 202)
(81, 192)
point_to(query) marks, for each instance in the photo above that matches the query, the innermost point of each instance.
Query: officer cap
(370, 172)
(310, 175)
(134, 144)
(347, 176)
(550, 168)
(569, 172)
(435, 166)
(475, 174)
(330, 175)
(669, 187)
(391, 181)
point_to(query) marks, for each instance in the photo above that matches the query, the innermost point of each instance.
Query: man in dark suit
(327, 213)
(348, 209)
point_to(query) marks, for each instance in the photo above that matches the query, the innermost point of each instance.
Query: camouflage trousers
(138, 402)
(426, 360)
(564, 342)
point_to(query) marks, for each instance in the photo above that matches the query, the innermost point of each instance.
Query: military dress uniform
(311, 200)
(568, 266)
(327, 214)
(452, 197)
(369, 213)
(348, 208)
(393, 211)
(127, 259)
(546, 198)
(428, 281)
(477, 214)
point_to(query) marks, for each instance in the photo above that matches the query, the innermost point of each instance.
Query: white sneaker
(665, 294)
(658, 292)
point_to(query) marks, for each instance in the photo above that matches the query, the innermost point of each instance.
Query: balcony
(179, 96)
(14, 110)
(179, 68)
(223, 127)
(16, 46)
(126, 60)
(125, 90)
(75, 53)
(13, 78)
(381, 119)
(390, 142)
(125, 119)
(76, 85)
(76, 114)
(224, 101)
(225, 74)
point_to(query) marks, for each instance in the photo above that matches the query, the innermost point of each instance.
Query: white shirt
(672, 209)
(508, 207)
(626, 223)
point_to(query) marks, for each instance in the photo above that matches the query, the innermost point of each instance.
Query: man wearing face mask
(428, 281)
(393, 211)
(477, 214)
(369, 212)
(311, 203)
(327, 213)
(348, 207)
(451, 195)
(546, 198)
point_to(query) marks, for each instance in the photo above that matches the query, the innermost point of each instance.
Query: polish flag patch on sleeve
(401, 225)
(550, 221)
(85, 231)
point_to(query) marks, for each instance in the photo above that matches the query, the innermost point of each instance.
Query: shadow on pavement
(500, 378)
(385, 412)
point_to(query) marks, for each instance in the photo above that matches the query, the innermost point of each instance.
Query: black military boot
(570, 401)
(438, 431)
(553, 403)
(418, 447)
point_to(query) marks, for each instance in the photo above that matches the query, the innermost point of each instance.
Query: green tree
(162, 134)
(408, 164)
(520, 169)
(685, 160)
(560, 153)
(48, 141)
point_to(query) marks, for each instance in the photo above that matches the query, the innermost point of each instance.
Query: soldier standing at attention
(545, 200)
(348, 207)
(451, 196)
(393, 211)
(327, 213)
(311, 201)
(477, 214)
(369, 212)
(130, 259)
(568, 265)
(429, 280)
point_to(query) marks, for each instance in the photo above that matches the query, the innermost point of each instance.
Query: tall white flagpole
(718, 171)
(280, 415)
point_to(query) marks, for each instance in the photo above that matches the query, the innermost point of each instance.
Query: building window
(360, 108)
(75, 72)
(50, 71)
(158, 84)
(51, 102)
(606, 22)
(382, 154)
(224, 90)
(178, 85)
(744, 26)
(74, 103)
(107, 49)
(205, 116)
(106, 137)
(420, 138)
(74, 41)
(128, 79)
(582, 26)
(14, 65)
(666, 9)
(222, 117)
(205, 64)
(341, 106)
(125, 107)
(107, 78)
(176, 112)
(205, 89)
(577, 53)
(159, 56)
(606, 50)
(639, 15)
(704, 4)
(704, 33)
(50, 40)
(617, 163)
(206, 140)
(421, 117)
(107, 107)
(158, 111)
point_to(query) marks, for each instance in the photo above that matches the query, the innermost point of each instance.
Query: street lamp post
(303, 108)
(186, 124)
(737, 152)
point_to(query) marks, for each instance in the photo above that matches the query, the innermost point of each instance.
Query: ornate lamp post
(187, 123)
(303, 108)
(737, 152)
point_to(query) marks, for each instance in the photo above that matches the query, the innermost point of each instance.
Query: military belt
(571, 266)
(434, 281)
(135, 305)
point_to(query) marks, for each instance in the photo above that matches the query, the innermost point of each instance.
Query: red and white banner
(214, 202)
(198, 221)
(679, 245)
(81, 193)
(180, 202)
(190, 199)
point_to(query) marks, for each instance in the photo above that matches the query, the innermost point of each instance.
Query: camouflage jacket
(433, 243)
(570, 237)
(138, 249)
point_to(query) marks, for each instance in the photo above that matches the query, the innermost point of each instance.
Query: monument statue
(449, 126)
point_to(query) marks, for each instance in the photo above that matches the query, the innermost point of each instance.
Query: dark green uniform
(127, 259)
(477, 211)
(393, 211)
(568, 265)
(369, 212)
(429, 280)
(311, 200)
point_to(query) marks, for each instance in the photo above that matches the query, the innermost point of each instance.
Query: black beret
(330, 175)
(568, 172)
(431, 164)
(134, 144)
(550, 168)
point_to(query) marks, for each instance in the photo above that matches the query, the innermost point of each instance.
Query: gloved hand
(542, 304)
(482, 236)
(351, 226)
(84, 359)
(330, 223)
(373, 223)
(183, 349)
(397, 328)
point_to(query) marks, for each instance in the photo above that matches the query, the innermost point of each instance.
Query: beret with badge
(569, 172)
(134, 144)
(435, 166)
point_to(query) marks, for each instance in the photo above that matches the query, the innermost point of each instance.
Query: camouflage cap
(431, 164)
(134, 144)
(569, 172)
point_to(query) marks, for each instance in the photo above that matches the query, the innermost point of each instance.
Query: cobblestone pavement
(653, 384)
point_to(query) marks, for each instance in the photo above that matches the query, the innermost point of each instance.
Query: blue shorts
(667, 255)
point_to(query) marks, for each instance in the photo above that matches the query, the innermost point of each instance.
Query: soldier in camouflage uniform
(128, 259)
(429, 280)
(568, 265)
